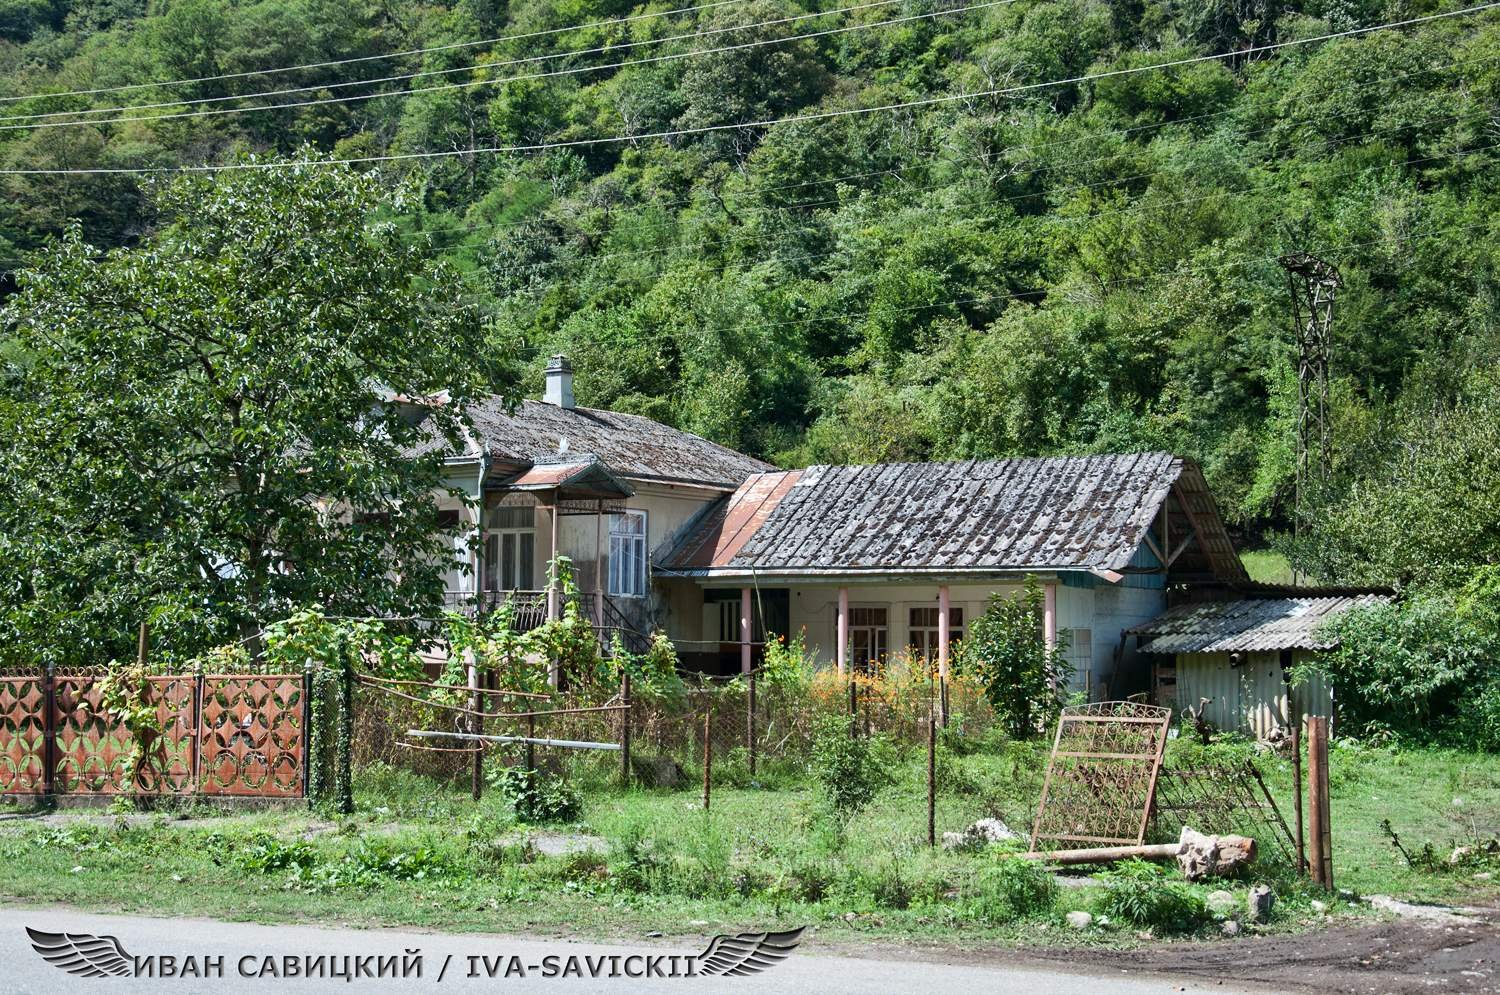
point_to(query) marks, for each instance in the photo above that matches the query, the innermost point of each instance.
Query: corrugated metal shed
(630, 445)
(1054, 513)
(1248, 625)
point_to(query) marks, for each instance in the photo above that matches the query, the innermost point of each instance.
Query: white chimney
(559, 382)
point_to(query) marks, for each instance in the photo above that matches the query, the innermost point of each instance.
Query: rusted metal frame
(1254, 772)
(1115, 720)
(1161, 749)
(1041, 806)
(1105, 756)
(450, 687)
(1076, 838)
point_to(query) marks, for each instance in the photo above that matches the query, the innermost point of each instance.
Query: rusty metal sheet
(1249, 625)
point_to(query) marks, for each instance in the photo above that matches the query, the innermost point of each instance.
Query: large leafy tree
(247, 411)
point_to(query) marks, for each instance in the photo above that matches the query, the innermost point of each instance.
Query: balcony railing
(529, 611)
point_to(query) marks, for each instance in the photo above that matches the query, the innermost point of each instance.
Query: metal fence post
(308, 758)
(343, 763)
(49, 732)
(750, 724)
(476, 726)
(199, 733)
(708, 753)
(931, 780)
(625, 714)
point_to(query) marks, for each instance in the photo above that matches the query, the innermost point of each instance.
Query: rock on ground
(979, 835)
(1258, 903)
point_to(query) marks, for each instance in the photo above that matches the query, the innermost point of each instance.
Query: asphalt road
(806, 971)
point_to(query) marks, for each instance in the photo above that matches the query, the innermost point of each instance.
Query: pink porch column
(1049, 616)
(944, 607)
(843, 629)
(746, 630)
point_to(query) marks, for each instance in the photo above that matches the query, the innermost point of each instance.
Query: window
(867, 636)
(627, 554)
(510, 549)
(922, 632)
(729, 622)
(1079, 652)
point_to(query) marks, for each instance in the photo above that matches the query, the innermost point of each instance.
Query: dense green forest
(1059, 268)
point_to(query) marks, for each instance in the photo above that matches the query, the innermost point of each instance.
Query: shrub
(265, 853)
(1024, 679)
(844, 766)
(639, 865)
(1013, 889)
(537, 797)
(1139, 893)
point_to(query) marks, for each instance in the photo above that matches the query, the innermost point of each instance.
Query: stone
(1321, 908)
(1079, 919)
(1229, 927)
(658, 772)
(1460, 854)
(1258, 903)
(1201, 856)
(1221, 903)
(979, 835)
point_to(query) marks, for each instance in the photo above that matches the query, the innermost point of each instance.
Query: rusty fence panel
(1100, 786)
(220, 734)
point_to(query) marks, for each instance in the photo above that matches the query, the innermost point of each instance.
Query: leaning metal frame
(1101, 778)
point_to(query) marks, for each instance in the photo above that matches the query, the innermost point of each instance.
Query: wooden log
(1106, 854)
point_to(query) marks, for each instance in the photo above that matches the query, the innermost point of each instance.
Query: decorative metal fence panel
(217, 734)
(23, 732)
(1101, 779)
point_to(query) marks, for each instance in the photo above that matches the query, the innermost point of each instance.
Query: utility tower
(1313, 283)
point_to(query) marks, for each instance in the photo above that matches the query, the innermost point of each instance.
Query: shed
(1232, 658)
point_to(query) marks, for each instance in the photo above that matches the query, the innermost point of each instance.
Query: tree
(1024, 678)
(246, 412)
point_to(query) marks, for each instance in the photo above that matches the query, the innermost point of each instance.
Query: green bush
(536, 797)
(1013, 889)
(265, 853)
(1024, 679)
(845, 766)
(1139, 893)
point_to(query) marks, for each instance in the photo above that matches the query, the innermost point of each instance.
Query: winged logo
(83, 954)
(748, 953)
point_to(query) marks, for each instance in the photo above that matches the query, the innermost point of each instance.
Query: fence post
(476, 726)
(198, 731)
(49, 732)
(931, 780)
(1297, 791)
(853, 705)
(343, 763)
(1317, 802)
(750, 724)
(530, 739)
(625, 715)
(708, 752)
(308, 757)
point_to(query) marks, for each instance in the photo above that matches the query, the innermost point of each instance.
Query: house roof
(1089, 513)
(1249, 625)
(631, 446)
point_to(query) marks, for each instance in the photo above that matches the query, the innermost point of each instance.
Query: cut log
(1198, 855)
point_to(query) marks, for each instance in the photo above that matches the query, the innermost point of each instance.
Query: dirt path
(1392, 957)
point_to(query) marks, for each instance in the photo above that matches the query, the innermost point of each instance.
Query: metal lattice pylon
(1314, 283)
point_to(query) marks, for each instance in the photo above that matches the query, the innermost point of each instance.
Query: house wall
(1249, 698)
(1089, 619)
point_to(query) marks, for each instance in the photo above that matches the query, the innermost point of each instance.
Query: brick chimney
(559, 382)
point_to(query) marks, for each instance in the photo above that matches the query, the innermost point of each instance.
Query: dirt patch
(1397, 957)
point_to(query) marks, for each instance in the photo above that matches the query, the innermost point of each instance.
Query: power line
(612, 22)
(764, 123)
(984, 157)
(459, 69)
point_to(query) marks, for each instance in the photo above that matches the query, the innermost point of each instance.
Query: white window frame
(494, 544)
(629, 566)
(923, 638)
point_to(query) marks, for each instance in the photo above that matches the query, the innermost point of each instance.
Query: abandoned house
(670, 532)
(1231, 662)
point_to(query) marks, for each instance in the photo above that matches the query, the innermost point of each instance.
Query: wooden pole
(625, 731)
(750, 723)
(1317, 787)
(708, 754)
(530, 746)
(931, 781)
(142, 640)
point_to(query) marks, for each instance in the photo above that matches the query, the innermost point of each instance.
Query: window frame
(495, 566)
(636, 559)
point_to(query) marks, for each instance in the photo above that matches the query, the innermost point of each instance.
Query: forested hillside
(1028, 265)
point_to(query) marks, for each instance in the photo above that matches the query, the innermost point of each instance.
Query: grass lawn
(418, 853)
(1267, 566)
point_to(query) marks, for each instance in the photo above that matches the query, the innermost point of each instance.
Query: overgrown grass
(422, 853)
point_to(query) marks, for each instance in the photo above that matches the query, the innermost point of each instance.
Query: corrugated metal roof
(1066, 513)
(630, 445)
(1250, 625)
